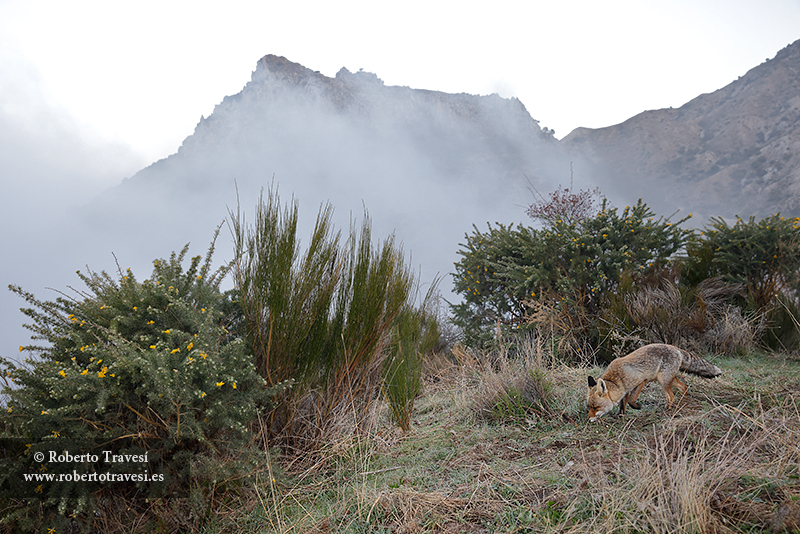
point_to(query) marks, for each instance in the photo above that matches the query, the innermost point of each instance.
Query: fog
(49, 167)
(426, 166)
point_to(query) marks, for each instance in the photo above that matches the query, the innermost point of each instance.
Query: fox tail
(698, 366)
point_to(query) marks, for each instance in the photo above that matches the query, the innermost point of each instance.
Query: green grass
(725, 459)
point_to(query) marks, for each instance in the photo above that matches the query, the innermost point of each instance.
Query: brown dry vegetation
(724, 460)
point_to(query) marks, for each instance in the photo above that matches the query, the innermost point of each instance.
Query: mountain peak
(428, 163)
(288, 72)
(730, 152)
(358, 78)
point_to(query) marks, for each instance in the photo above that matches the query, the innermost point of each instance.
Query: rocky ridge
(735, 151)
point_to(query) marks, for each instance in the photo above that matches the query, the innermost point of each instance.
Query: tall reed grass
(326, 318)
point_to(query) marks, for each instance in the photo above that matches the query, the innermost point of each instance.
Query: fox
(625, 377)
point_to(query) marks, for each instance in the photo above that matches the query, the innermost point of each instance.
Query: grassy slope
(726, 459)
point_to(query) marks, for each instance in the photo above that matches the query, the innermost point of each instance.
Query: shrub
(762, 255)
(127, 368)
(416, 334)
(326, 317)
(568, 268)
(657, 308)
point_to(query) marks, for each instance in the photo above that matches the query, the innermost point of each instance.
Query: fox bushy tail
(698, 366)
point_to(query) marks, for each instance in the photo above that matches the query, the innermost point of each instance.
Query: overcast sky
(140, 74)
(93, 91)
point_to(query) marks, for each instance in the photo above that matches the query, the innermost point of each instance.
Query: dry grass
(725, 459)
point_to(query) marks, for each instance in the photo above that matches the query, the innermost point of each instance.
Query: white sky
(140, 74)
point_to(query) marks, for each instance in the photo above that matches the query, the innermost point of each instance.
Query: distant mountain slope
(426, 164)
(734, 151)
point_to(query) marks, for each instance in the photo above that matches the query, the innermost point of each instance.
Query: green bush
(326, 317)
(127, 368)
(762, 255)
(564, 272)
(416, 333)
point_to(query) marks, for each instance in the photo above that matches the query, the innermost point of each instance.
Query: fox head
(598, 400)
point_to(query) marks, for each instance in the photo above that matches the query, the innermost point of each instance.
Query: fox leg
(624, 402)
(634, 394)
(667, 387)
(680, 385)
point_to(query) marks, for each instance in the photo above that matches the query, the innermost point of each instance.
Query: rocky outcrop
(735, 151)
(427, 165)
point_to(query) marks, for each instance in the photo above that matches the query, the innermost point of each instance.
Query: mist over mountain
(735, 151)
(426, 165)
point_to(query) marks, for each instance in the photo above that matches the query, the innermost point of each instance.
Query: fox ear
(601, 386)
(592, 383)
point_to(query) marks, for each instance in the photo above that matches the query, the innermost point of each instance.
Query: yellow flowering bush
(571, 266)
(129, 368)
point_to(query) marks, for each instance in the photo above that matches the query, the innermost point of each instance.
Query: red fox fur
(625, 377)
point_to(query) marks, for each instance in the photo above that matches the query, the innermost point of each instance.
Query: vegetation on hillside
(319, 395)
(599, 281)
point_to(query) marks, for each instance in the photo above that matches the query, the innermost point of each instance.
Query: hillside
(425, 164)
(733, 151)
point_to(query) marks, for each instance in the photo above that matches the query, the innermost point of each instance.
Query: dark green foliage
(570, 268)
(763, 255)
(416, 334)
(326, 317)
(128, 367)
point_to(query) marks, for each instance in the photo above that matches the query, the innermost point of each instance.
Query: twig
(381, 471)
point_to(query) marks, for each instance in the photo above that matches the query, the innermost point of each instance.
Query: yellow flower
(189, 347)
(21, 348)
(135, 308)
(62, 373)
(202, 394)
(85, 371)
(45, 412)
(56, 434)
(102, 372)
(220, 384)
(166, 331)
(152, 346)
(234, 385)
(175, 350)
(150, 322)
(39, 490)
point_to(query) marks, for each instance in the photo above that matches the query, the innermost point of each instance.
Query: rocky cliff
(735, 151)
(425, 164)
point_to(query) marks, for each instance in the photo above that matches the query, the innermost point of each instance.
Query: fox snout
(597, 401)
